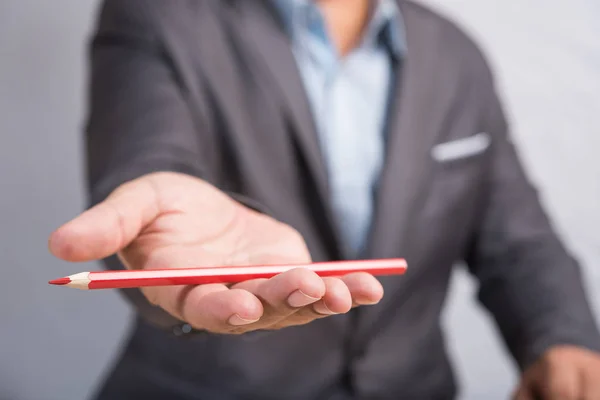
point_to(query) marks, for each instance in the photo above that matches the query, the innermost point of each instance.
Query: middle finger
(285, 293)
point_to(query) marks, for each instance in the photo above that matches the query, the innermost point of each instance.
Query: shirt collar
(386, 23)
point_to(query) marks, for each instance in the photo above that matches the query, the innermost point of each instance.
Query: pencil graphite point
(60, 281)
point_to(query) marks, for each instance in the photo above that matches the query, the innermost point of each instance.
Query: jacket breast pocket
(458, 181)
(461, 149)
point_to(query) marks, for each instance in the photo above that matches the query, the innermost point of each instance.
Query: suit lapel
(267, 39)
(269, 49)
(416, 118)
(420, 110)
(415, 121)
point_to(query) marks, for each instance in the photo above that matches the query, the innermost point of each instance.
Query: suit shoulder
(449, 37)
(140, 13)
(132, 7)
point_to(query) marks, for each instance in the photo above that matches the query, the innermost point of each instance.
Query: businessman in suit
(269, 131)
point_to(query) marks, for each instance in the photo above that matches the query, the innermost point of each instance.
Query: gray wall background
(547, 56)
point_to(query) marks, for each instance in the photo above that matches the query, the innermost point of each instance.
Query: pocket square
(461, 148)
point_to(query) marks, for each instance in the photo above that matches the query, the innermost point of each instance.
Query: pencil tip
(60, 281)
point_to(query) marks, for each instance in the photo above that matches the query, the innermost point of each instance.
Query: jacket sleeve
(527, 279)
(139, 119)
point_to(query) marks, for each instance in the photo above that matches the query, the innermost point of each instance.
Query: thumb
(109, 226)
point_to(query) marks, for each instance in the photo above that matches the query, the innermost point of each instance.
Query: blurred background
(547, 57)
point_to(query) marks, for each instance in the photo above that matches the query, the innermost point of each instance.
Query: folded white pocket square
(461, 148)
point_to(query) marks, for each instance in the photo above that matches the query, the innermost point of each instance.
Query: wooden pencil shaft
(197, 276)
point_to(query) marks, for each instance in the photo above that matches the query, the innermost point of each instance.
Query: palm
(169, 220)
(212, 231)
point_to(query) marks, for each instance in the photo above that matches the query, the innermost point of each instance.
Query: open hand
(170, 220)
(562, 373)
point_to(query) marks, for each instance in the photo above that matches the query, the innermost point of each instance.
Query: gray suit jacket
(210, 88)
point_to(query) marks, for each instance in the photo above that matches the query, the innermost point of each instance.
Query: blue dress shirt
(349, 98)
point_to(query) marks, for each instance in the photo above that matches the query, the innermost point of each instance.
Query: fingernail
(300, 299)
(367, 303)
(236, 320)
(321, 308)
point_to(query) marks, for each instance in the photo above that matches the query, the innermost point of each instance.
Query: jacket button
(180, 330)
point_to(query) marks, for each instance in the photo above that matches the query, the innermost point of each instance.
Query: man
(268, 131)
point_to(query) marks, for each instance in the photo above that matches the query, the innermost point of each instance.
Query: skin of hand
(171, 220)
(562, 373)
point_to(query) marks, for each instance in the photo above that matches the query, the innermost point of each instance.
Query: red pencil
(199, 276)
